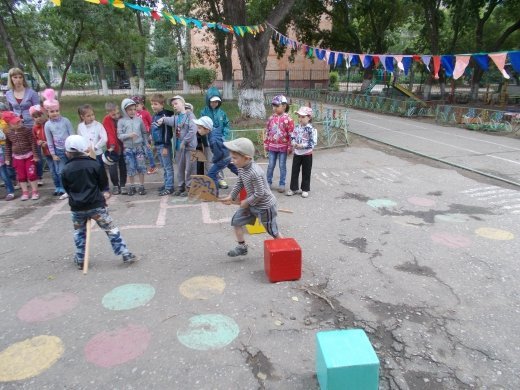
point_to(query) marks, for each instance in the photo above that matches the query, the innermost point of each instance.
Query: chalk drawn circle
(381, 203)
(423, 202)
(47, 307)
(451, 240)
(452, 218)
(208, 331)
(29, 357)
(128, 296)
(116, 347)
(202, 287)
(494, 234)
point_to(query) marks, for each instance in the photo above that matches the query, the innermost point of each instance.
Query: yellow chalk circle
(494, 234)
(29, 358)
(202, 287)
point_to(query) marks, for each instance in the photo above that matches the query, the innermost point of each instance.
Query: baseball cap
(304, 111)
(204, 121)
(241, 145)
(215, 99)
(175, 98)
(138, 99)
(127, 103)
(279, 99)
(76, 143)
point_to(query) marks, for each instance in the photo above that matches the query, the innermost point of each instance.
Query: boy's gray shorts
(248, 216)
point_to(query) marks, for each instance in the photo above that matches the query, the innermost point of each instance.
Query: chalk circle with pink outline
(128, 296)
(451, 240)
(381, 203)
(208, 331)
(115, 347)
(202, 287)
(29, 357)
(494, 234)
(423, 202)
(47, 307)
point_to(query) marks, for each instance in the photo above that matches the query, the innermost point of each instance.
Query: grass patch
(69, 108)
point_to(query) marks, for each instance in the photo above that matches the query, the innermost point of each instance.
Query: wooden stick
(286, 211)
(87, 247)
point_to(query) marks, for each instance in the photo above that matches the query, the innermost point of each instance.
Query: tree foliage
(201, 77)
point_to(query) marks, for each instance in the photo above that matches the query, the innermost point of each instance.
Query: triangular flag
(332, 58)
(376, 60)
(436, 66)
(382, 58)
(407, 63)
(482, 61)
(389, 61)
(367, 61)
(56, 2)
(500, 60)
(514, 57)
(461, 62)
(155, 15)
(339, 59)
(362, 60)
(119, 4)
(448, 63)
(399, 59)
(426, 61)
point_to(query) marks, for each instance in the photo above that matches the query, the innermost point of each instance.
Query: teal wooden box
(345, 360)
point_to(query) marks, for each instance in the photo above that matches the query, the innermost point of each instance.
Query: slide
(408, 93)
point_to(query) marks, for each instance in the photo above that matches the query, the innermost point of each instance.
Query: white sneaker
(289, 193)
(305, 194)
(64, 196)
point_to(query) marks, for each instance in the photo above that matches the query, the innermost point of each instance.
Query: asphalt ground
(421, 255)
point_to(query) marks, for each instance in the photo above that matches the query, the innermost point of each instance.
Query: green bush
(78, 80)
(201, 77)
(161, 74)
(334, 81)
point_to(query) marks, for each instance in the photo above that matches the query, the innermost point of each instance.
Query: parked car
(31, 81)
(124, 84)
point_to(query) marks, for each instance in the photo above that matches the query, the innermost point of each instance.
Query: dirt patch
(248, 123)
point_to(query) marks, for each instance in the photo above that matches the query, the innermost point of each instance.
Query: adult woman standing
(20, 98)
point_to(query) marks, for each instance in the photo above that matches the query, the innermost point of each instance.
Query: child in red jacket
(117, 171)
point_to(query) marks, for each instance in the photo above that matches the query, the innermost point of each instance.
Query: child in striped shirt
(260, 202)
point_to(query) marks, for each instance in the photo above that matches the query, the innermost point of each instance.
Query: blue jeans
(273, 156)
(149, 154)
(5, 176)
(218, 167)
(59, 165)
(55, 177)
(167, 164)
(105, 222)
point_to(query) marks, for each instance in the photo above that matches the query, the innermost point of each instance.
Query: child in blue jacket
(221, 157)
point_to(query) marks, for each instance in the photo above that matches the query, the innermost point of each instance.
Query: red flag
(155, 15)
(436, 66)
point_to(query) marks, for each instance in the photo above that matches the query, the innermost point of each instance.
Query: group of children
(122, 142)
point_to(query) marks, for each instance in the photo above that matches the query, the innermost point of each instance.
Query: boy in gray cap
(260, 202)
(84, 179)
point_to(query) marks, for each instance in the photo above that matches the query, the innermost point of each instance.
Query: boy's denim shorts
(135, 160)
(248, 216)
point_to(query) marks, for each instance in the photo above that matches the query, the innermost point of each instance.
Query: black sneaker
(165, 192)
(79, 264)
(124, 191)
(116, 190)
(141, 190)
(129, 258)
(131, 191)
(239, 250)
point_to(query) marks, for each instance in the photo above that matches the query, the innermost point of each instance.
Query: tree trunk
(253, 51)
(102, 75)
(12, 60)
(71, 58)
(142, 54)
(26, 45)
(475, 82)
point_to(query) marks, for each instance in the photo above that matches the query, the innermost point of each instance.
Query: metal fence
(482, 119)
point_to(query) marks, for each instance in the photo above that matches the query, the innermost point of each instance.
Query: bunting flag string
(453, 65)
(177, 19)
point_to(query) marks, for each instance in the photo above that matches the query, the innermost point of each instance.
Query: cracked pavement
(439, 302)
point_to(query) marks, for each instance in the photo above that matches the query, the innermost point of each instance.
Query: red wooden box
(282, 260)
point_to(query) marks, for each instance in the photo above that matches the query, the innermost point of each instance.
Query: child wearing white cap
(84, 179)
(260, 202)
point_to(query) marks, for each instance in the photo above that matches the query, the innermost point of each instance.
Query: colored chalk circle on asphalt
(494, 234)
(202, 287)
(451, 218)
(47, 307)
(128, 296)
(423, 202)
(29, 358)
(208, 331)
(451, 240)
(381, 203)
(112, 348)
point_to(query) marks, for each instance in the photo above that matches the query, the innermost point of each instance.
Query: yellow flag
(93, 1)
(56, 2)
(118, 4)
